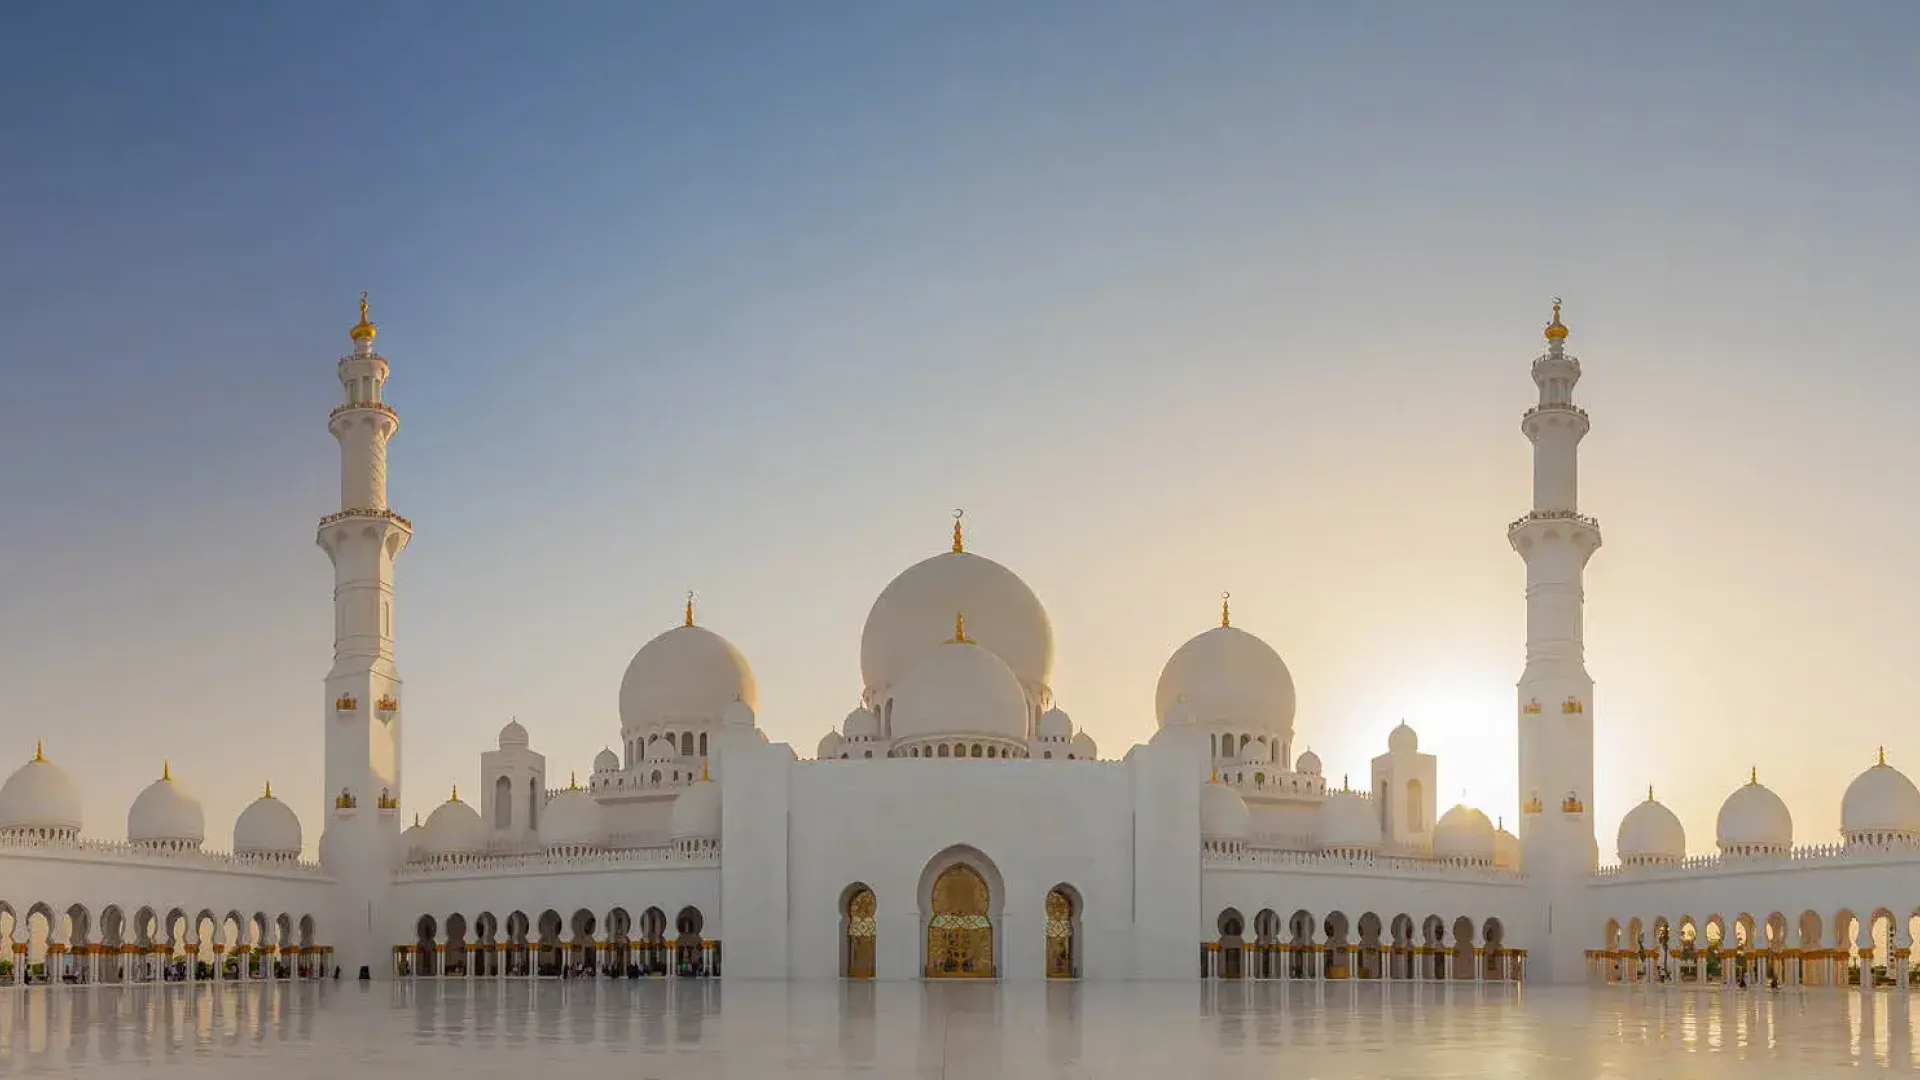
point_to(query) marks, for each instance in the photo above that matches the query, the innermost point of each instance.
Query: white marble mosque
(957, 822)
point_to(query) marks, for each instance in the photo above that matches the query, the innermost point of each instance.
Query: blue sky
(744, 298)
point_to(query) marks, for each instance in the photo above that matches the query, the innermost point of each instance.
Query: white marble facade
(693, 845)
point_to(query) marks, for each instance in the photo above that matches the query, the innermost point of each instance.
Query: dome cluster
(41, 802)
(1881, 809)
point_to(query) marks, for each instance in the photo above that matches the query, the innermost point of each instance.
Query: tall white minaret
(362, 708)
(1555, 691)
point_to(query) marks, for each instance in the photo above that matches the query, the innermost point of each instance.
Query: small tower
(515, 791)
(1404, 791)
(1554, 712)
(361, 700)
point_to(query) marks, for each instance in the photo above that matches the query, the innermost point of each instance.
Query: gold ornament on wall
(1572, 706)
(1533, 806)
(1531, 708)
(346, 703)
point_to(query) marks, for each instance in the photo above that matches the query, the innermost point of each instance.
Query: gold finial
(1226, 617)
(1883, 755)
(959, 541)
(1649, 792)
(573, 781)
(1753, 774)
(166, 770)
(39, 750)
(269, 792)
(364, 330)
(416, 819)
(703, 771)
(455, 797)
(689, 607)
(1556, 330)
(1343, 782)
(960, 630)
(1215, 778)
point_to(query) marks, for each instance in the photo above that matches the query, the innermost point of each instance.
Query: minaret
(361, 700)
(1555, 692)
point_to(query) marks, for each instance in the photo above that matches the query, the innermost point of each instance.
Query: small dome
(1231, 677)
(1880, 805)
(513, 736)
(606, 761)
(1463, 833)
(687, 675)
(696, 812)
(267, 827)
(910, 618)
(411, 840)
(166, 814)
(1753, 821)
(960, 689)
(1348, 822)
(1084, 747)
(737, 714)
(453, 829)
(1651, 833)
(829, 746)
(1403, 740)
(1308, 764)
(861, 724)
(571, 819)
(39, 797)
(662, 748)
(1506, 848)
(1056, 725)
(1223, 813)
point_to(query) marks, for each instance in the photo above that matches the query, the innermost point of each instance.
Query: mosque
(957, 823)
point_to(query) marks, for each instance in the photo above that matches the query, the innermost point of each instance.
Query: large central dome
(914, 616)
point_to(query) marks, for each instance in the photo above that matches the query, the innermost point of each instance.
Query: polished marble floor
(670, 1030)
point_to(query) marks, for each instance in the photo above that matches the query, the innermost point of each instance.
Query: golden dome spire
(1226, 617)
(364, 330)
(960, 630)
(1649, 792)
(166, 770)
(1883, 755)
(573, 781)
(1215, 778)
(1556, 330)
(40, 750)
(269, 792)
(455, 797)
(704, 778)
(689, 607)
(959, 540)
(1753, 774)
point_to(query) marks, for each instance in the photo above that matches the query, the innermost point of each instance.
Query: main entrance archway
(960, 927)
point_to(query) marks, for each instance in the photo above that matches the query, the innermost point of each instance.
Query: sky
(1173, 299)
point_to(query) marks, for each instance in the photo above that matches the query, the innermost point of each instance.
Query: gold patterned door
(959, 932)
(862, 932)
(1060, 959)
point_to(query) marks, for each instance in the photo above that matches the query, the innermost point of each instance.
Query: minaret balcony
(1574, 516)
(1564, 360)
(1554, 407)
(382, 515)
(363, 406)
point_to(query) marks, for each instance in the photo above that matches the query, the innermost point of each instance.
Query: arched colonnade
(1842, 948)
(618, 944)
(1303, 947)
(75, 944)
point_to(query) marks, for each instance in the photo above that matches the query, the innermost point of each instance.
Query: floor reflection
(950, 1030)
